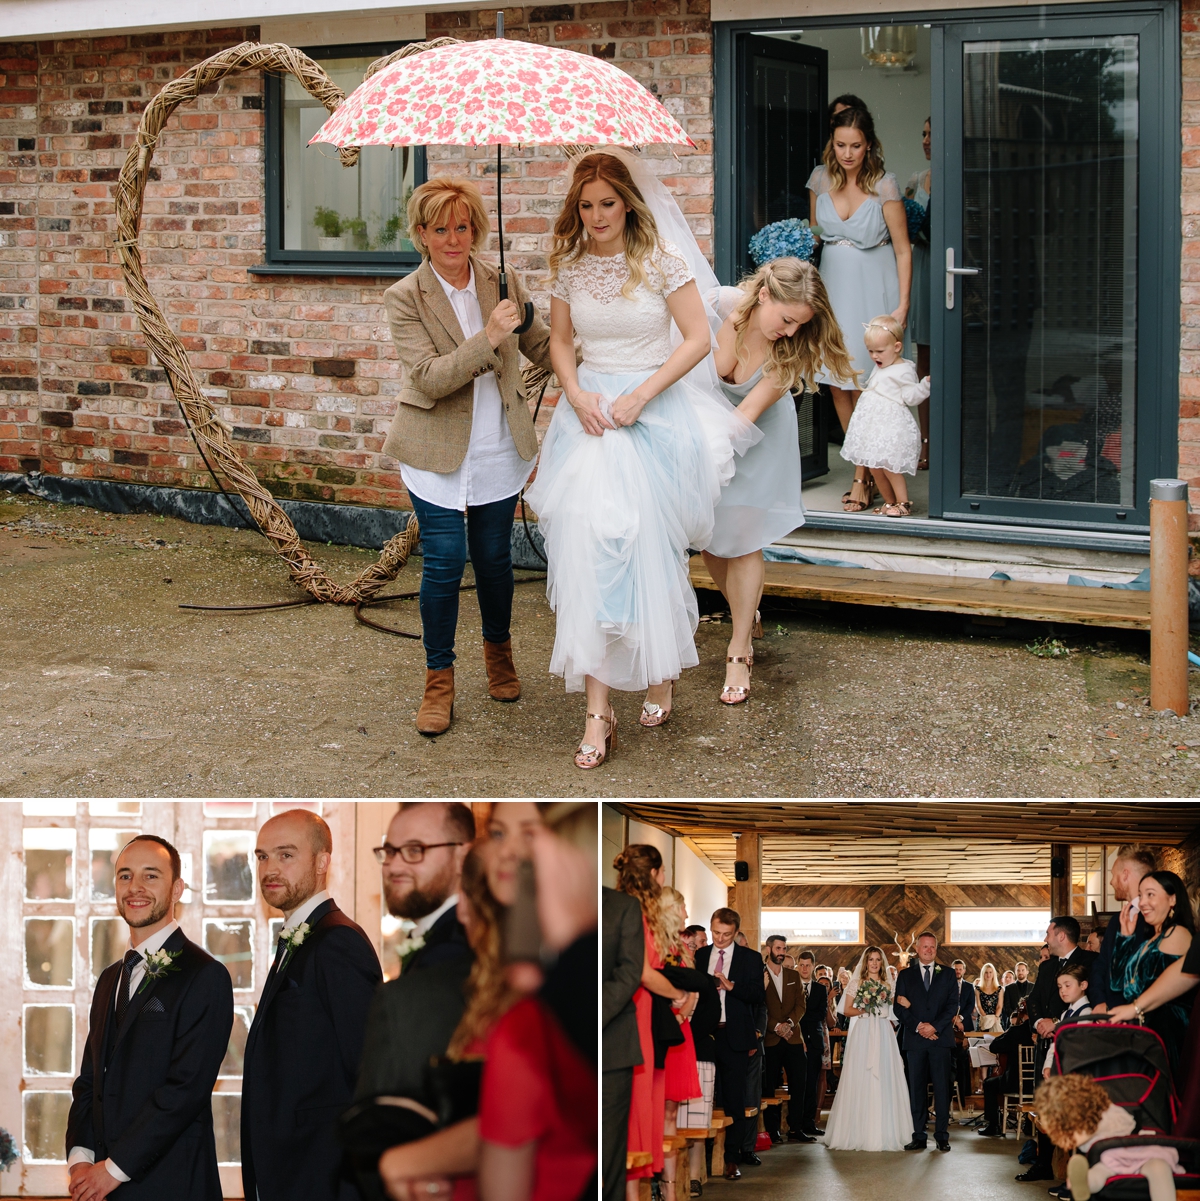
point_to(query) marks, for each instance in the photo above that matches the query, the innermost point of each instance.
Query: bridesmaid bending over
(780, 331)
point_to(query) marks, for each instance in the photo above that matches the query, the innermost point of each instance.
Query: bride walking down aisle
(871, 1108)
(632, 466)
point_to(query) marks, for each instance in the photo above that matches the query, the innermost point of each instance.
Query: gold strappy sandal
(655, 715)
(589, 756)
(736, 694)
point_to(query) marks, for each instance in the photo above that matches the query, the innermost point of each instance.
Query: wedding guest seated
(1164, 903)
(1072, 987)
(695, 937)
(1095, 939)
(1006, 1047)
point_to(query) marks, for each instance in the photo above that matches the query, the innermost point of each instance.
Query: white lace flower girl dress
(618, 513)
(883, 433)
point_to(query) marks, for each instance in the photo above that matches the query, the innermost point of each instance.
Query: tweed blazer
(432, 427)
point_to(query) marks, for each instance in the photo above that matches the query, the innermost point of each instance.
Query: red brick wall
(301, 368)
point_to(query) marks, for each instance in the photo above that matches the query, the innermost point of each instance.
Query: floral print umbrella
(501, 93)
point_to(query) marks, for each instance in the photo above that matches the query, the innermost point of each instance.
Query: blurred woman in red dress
(640, 874)
(681, 1075)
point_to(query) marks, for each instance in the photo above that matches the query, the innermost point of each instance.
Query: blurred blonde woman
(779, 332)
(989, 999)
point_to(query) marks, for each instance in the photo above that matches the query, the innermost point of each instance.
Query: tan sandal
(849, 504)
(653, 715)
(588, 756)
(902, 508)
(735, 694)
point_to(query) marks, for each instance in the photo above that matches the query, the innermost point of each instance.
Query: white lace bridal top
(618, 334)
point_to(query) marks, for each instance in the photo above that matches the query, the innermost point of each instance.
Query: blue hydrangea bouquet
(790, 238)
(915, 214)
(8, 1150)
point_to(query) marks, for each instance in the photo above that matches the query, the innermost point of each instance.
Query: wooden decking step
(1124, 608)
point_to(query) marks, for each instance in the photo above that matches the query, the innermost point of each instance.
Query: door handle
(951, 272)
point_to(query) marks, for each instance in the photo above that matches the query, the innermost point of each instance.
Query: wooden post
(1168, 596)
(1060, 888)
(747, 895)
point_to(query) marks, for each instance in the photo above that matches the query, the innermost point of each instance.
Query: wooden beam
(968, 595)
(1060, 887)
(694, 847)
(747, 894)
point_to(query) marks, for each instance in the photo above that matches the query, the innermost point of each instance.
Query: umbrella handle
(528, 305)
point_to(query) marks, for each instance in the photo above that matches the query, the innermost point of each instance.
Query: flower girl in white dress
(632, 466)
(871, 1110)
(883, 434)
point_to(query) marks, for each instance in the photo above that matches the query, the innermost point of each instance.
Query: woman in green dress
(1163, 902)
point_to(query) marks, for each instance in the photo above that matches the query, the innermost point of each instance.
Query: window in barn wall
(819, 927)
(67, 931)
(1091, 867)
(1006, 927)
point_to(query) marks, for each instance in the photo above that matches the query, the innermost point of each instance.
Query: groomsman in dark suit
(738, 972)
(413, 1017)
(624, 953)
(141, 1109)
(812, 1027)
(304, 1045)
(927, 1000)
(964, 1021)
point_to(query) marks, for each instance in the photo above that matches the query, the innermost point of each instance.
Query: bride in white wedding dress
(871, 1109)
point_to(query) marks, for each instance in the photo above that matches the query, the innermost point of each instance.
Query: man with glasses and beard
(303, 1049)
(141, 1109)
(413, 1017)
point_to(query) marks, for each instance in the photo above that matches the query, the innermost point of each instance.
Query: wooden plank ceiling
(790, 859)
(1161, 823)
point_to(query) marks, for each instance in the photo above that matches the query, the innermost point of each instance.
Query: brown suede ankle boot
(437, 706)
(502, 675)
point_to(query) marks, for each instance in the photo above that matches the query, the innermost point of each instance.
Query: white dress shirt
(425, 924)
(302, 914)
(492, 469)
(1076, 1009)
(153, 943)
(712, 970)
(776, 979)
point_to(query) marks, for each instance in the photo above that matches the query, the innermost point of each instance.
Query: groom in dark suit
(304, 1045)
(927, 1000)
(738, 972)
(141, 1110)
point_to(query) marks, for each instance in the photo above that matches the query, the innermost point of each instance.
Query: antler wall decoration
(903, 954)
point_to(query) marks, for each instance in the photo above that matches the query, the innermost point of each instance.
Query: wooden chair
(1022, 1099)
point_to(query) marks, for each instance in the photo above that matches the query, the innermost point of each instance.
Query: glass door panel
(1049, 187)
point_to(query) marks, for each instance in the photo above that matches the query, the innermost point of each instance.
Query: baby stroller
(1130, 1063)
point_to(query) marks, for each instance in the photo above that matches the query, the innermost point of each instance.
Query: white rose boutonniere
(408, 948)
(293, 938)
(157, 964)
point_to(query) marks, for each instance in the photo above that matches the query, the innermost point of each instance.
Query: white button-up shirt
(154, 943)
(492, 469)
(718, 952)
(302, 913)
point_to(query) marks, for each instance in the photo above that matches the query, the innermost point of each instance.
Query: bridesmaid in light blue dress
(866, 259)
(778, 331)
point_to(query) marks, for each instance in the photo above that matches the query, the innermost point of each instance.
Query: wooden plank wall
(908, 907)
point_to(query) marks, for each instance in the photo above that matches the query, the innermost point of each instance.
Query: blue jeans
(446, 535)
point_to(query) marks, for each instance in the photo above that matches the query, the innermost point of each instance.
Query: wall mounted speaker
(1058, 868)
(741, 871)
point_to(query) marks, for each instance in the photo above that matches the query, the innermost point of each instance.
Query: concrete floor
(976, 1169)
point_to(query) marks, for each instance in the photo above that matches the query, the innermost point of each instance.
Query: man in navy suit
(414, 1016)
(964, 1020)
(927, 1000)
(812, 1026)
(141, 1110)
(304, 1046)
(738, 972)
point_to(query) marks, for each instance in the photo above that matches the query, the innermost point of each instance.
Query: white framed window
(49, 952)
(231, 941)
(104, 844)
(49, 863)
(115, 808)
(228, 874)
(815, 927)
(44, 1119)
(49, 1040)
(107, 940)
(1007, 927)
(227, 1126)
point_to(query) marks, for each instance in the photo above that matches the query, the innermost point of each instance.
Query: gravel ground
(110, 688)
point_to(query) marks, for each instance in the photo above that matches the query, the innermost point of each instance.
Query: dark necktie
(927, 978)
(131, 960)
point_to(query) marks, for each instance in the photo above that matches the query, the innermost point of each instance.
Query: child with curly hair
(1076, 1113)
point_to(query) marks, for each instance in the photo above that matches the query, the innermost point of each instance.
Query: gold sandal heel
(736, 694)
(653, 715)
(588, 756)
(756, 629)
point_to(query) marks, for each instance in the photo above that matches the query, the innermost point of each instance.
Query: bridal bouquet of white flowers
(872, 997)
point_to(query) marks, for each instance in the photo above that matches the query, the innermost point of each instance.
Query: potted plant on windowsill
(332, 227)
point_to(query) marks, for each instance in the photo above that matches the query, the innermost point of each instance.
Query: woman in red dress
(682, 1077)
(640, 874)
